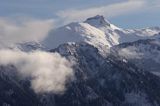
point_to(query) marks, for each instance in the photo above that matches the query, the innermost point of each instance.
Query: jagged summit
(97, 32)
(97, 21)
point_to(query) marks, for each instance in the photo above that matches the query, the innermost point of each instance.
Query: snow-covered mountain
(125, 76)
(77, 32)
(107, 81)
(98, 81)
(97, 32)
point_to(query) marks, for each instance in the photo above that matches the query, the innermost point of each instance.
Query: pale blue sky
(122, 13)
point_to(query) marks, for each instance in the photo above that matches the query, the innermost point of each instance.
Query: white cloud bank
(111, 10)
(130, 52)
(12, 32)
(48, 71)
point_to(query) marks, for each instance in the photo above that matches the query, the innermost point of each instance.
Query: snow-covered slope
(29, 46)
(116, 35)
(98, 81)
(145, 54)
(25, 46)
(97, 32)
(77, 32)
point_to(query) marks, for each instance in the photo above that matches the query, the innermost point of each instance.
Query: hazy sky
(123, 13)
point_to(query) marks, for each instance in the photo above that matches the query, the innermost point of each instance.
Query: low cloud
(108, 11)
(49, 72)
(130, 53)
(27, 30)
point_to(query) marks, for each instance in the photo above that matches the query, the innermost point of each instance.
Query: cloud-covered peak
(97, 21)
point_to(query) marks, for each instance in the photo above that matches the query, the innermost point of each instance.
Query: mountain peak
(97, 21)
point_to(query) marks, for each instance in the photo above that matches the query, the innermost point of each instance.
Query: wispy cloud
(26, 30)
(130, 52)
(48, 71)
(106, 10)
